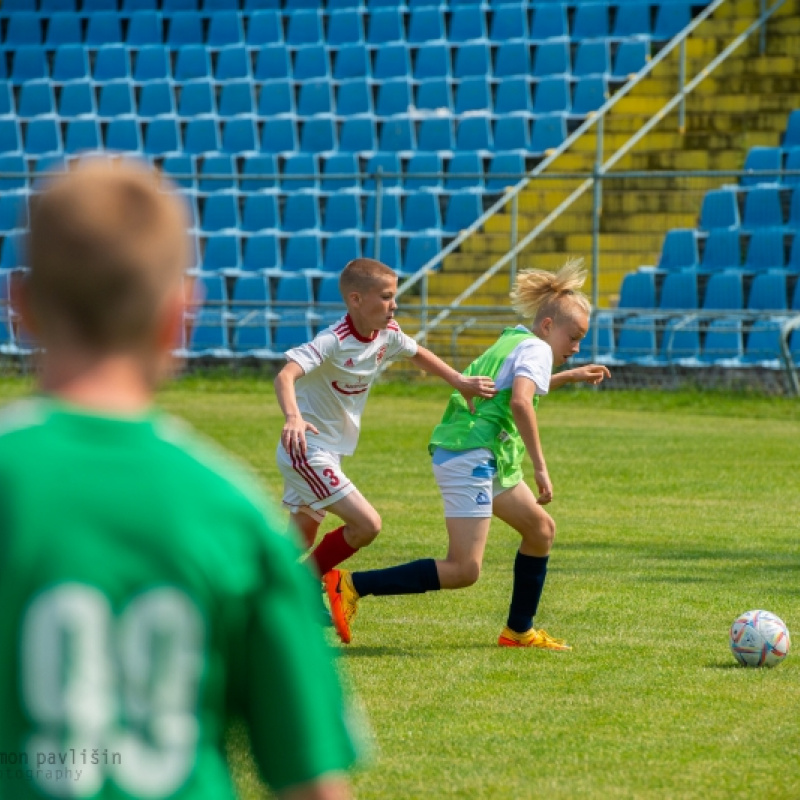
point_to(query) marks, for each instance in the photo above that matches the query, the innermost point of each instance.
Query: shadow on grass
(725, 665)
(380, 650)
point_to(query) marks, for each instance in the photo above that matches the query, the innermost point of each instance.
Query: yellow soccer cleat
(343, 600)
(531, 638)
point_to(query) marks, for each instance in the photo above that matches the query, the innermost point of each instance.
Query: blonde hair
(538, 294)
(107, 244)
(361, 274)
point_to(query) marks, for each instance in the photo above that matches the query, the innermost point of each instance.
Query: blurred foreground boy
(146, 592)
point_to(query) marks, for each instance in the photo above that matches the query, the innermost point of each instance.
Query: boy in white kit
(322, 392)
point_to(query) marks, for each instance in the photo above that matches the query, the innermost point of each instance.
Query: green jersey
(492, 425)
(148, 594)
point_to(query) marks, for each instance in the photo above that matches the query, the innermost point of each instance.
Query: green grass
(675, 513)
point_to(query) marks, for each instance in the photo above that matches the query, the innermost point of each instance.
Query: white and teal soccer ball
(759, 639)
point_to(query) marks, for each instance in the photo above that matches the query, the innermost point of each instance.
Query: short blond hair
(108, 241)
(361, 274)
(538, 294)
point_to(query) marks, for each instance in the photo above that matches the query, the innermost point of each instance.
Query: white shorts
(313, 481)
(467, 480)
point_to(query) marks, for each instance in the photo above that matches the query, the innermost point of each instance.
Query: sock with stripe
(529, 576)
(331, 551)
(415, 577)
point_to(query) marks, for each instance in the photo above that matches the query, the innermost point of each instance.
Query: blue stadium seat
(11, 257)
(201, 136)
(351, 61)
(632, 57)
(217, 166)
(278, 136)
(123, 135)
(679, 250)
(791, 136)
(762, 158)
(473, 94)
(180, 165)
(249, 301)
(313, 98)
(303, 252)
(161, 136)
(353, 97)
(293, 328)
(272, 63)
(24, 28)
(30, 64)
(421, 212)
(589, 94)
(470, 165)
(722, 250)
(152, 64)
(115, 100)
(301, 213)
(396, 135)
(35, 100)
(70, 63)
(719, 210)
(551, 58)
(420, 249)
(302, 164)
(10, 139)
(42, 137)
(679, 341)
(172, 6)
(254, 165)
(394, 97)
(236, 98)
(592, 58)
(209, 334)
(637, 342)
(144, 27)
(792, 163)
(512, 164)
(435, 94)
(388, 250)
(549, 133)
(552, 96)
(304, 27)
(590, 22)
(549, 22)
(345, 27)
(275, 98)
(331, 306)
(261, 252)
(342, 213)
(219, 212)
(724, 292)
(794, 255)
(471, 61)
(764, 345)
(638, 290)
(512, 133)
(671, 19)
(768, 292)
(224, 29)
(633, 20)
(317, 135)
(311, 63)
(432, 61)
(253, 337)
(766, 250)
(184, 28)
(509, 22)
(513, 96)
(390, 213)
(6, 99)
(233, 63)
(762, 208)
(339, 164)
(13, 212)
(467, 24)
(385, 25)
(196, 99)
(389, 164)
(422, 172)
(357, 135)
(156, 99)
(462, 210)
(512, 58)
(63, 28)
(239, 136)
(103, 27)
(192, 63)
(12, 164)
(723, 341)
(264, 27)
(391, 61)
(221, 253)
(474, 133)
(435, 134)
(679, 291)
(794, 210)
(426, 25)
(112, 64)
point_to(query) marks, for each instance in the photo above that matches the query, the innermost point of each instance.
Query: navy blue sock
(412, 578)
(529, 576)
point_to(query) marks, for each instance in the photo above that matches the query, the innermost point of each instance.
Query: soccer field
(675, 513)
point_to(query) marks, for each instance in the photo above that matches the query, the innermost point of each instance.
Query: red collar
(356, 334)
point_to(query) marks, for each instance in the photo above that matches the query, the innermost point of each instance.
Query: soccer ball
(759, 639)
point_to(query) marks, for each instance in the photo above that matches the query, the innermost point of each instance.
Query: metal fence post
(597, 209)
(376, 251)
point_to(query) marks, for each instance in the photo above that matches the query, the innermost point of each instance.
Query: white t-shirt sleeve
(533, 359)
(313, 354)
(400, 345)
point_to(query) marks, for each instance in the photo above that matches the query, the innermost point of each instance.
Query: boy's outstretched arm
(473, 386)
(294, 430)
(591, 373)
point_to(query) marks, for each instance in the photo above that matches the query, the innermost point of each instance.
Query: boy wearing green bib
(149, 591)
(477, 462)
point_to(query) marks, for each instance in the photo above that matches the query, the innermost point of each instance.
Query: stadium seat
(512, 58)
(152, 63)
(35, 100)
(261, 252)
(70, 63)
(13, 212)
(257, 165)
(314, 97)
(764, 343)
(474, 133)
(212, 290)
(385, 25)
(264, 28)
(224, 29)
(470, 165)
(217, 166)
(179, 165)
(551, 58)
(353, 97)
(723, 341)
(388, 250)
(549, 22)
(679, 250)
(63, 28)
(115, 100)
(30, 63)
(467, 24)
(236, 98)
(724, 292)
(759, 159)
(766, 250)
(462, 210)
(339, 251)
(201, 136)
(719, 210)
(239, 136)
(301, 213)
(252, 336)
(794, 210)
(791, 136)
(302, 253)
(233, 63)
(275, 98)
(278, 136)
(394, 97)
(471, 61)
(671, 19)
(679, 341)
(311, 63)
(396, 135)
(592, 58)
(10, 139)
(552, 96)
(508, 23)
(351, 61)
(590, 22)
(435, 134)
(260, 213)
(342, 213)
(6, 100)
(156, 99)
(768, 292)
(24, 28)
(272, 63)
(792, 163)
(549, 133)
(388, 164)
(196, 99)
(421, 212)
(423, 171)
(762, 208)
(343, 164)
(330, 306)
(589, 94)
(42, 137)
(304, 28)
(357, 135)
(219, 212)
(298, 171)
(345, 27)
(426, 25)
(391, 61)
(209, 335)
(390, 213)
(722, 250)
(679, 291)
(103, 27)
(144, 27)
(435, 94)
(12, 164)
(184, 28)
(637, 341)
(601, 327)
(192, 63)
(221, 253)
(82, 135)
(512, 165)
(631, 58)
(638, 290)
(633, 20)
(513, 96)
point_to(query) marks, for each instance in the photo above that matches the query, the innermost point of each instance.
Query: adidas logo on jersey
(349, 362)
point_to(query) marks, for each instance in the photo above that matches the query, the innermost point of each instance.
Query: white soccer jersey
(532, 359)
(340, 366)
